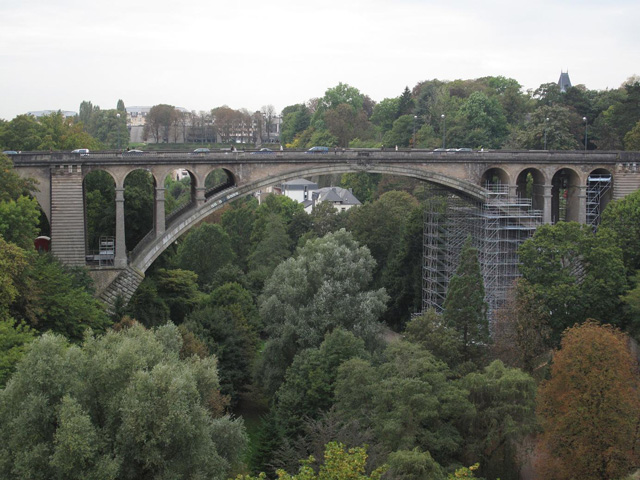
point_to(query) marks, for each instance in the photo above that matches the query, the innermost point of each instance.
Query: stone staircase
(67, 214)
(124, 286)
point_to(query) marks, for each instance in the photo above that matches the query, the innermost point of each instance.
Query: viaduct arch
(556, 182)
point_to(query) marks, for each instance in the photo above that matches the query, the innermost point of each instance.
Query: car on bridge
(201, 150)
(10, 152)
(318, 150)
(84, 152)
(133, 152)
(262, 151)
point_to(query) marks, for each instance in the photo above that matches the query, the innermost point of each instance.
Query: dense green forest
(271, 340)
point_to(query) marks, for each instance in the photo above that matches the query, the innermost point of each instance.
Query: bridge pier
(159, 220)
(547, 199)
(200, 196)
(120, 260)
(582, 204)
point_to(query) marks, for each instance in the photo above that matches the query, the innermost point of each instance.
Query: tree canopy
(122, 405)
(590, 406)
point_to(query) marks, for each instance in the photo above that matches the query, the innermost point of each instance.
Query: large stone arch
(99, 244)
(530, 183)
(496, 179)
(566, 194)
(145, 256)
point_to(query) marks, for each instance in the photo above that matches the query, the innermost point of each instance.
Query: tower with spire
(564, 83)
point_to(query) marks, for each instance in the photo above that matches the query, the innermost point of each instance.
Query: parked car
(84, 152)
(318, 150)
(263, 150)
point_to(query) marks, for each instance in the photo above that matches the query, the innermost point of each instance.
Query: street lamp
(444, 129)
(546, 122)
(118, 127)
(415, 117)
(584, 119)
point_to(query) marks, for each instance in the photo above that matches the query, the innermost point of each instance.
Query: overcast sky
(201, 54)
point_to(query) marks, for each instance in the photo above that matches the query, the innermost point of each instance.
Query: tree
(622, 217)
(13, 263)
(55, 298)
(385, 113)
(19, 221)
(401, 133)
(269, 252)
(521, 329)
(206, 249)
(430, 331)
(414, 465)
(590, 406)
(575, 274)
(562, 125)
(345, 123)
(308, 388)
(627, 111)
(405, 103)
(339, 463)
(325, 218)
(14, 339)
(119, 406)
(281, 205)
(158, 121)
(238, 223)
(632, 138)
(363, 184)
(380, 225)
(407, 400)
(324, 287)
(295, 119)
(147, 307)
(465, 309)
(504, 401)
(483, 122)
(12, 185)
(178, 290)
(226, 333)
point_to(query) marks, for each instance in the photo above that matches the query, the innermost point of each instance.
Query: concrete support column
(546, 210)
(121, 247)
(513, 191)
(200, 199)
(159, 220)
(582, 204)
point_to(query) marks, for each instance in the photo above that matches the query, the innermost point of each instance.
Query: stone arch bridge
(545, 176)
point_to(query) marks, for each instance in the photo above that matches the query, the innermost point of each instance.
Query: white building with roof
(306, 192)
(299, 189)
(342, 199)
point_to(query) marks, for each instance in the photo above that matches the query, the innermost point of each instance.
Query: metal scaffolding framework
(598, 188)
(497, 227)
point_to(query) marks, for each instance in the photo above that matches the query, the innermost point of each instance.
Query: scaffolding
(497, 227)
(598, 189)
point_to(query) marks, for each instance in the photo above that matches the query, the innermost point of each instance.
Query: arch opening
(99, 190)
(565, 202)
(530, 185)
(495, 180)
(218, 180)
(139, 206)
(180, 190)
